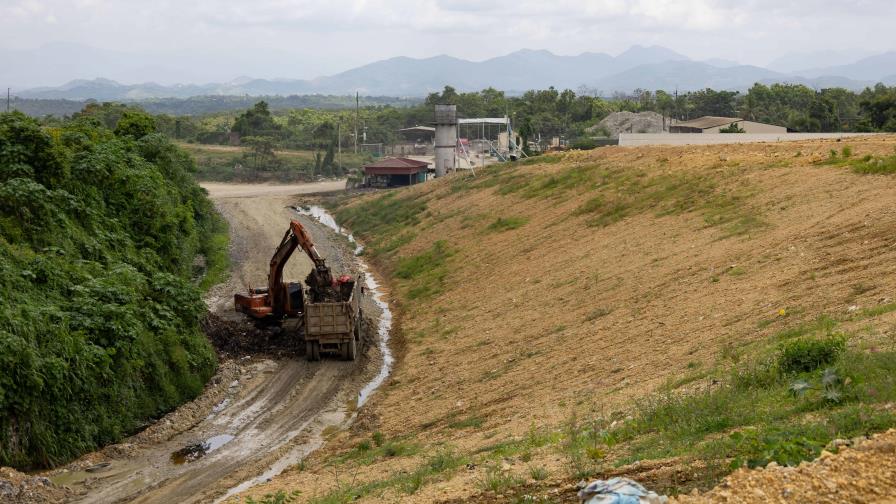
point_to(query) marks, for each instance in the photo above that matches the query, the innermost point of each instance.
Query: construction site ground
(266, 406)
(561, 295)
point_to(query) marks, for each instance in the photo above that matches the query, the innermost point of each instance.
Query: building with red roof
(395, 172)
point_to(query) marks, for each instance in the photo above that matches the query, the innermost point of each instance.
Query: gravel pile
(629, 122)
(862, 472)
(20, 488)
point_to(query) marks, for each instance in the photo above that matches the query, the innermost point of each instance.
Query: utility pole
(357, 106)
(339, 143)
(7, 99)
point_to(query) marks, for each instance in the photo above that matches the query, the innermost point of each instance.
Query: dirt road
(258, 415)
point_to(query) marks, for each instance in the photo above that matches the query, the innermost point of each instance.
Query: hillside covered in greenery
(100, 231)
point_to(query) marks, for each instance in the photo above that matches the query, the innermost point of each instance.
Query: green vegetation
(382, 222)
(804, 355)
(807, 390)
(435, 467)
(425, 273)
(257, 161)
(506, 224)
(618, 192)
(732, 128)
(876, 166)
(99, 296)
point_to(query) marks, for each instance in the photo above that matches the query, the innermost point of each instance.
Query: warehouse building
(711, 124)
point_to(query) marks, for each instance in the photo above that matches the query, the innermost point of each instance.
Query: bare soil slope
(573, 286)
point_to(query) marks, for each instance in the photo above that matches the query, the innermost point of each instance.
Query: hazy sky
(214, 40)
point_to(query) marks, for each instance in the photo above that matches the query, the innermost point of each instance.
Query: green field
(230, 163)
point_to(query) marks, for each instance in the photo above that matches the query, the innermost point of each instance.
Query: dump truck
(327, 310)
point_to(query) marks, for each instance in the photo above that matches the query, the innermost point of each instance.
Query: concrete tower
(446, 138)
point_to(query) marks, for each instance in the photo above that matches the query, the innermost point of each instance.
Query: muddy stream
(259, 414)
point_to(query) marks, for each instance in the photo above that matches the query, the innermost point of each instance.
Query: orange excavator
(329, 311)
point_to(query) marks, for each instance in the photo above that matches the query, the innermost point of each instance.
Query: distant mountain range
(652, 68)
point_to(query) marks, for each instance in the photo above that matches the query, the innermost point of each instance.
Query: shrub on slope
(98, 312)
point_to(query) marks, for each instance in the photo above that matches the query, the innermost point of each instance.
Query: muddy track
(260, 412)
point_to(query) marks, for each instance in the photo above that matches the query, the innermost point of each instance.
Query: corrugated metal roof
(395, 166)
(707, 122)
(397, 162)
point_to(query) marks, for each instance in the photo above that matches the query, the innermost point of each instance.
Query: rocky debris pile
(243, 337)
(863, 471)
(19, 488)
(629, 122)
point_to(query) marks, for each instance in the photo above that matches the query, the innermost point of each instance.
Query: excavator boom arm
(296, 236)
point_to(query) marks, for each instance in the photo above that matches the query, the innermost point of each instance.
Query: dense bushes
(98, 309)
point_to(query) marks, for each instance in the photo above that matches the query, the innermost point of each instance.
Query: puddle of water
(69, 478)
(193, 452)
(385, 324)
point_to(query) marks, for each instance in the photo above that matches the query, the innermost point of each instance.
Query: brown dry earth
(276, 409)
(557, 319)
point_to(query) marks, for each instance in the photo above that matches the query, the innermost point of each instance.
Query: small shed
(712, 124)
(395, 172)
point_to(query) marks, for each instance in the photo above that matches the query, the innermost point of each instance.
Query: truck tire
(312, 351)
(352, 349)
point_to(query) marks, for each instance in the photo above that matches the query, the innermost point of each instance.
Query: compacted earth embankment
(669, 314)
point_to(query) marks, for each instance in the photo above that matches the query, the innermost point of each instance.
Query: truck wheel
(352, 348)
(312, 351)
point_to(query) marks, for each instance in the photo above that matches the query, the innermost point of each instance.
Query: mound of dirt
(19, 488)
(243, 337)
(629, 122)
(866, 472)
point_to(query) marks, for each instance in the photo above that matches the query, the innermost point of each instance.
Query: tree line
(101, 223)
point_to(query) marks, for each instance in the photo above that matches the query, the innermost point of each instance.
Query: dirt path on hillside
(258, 414)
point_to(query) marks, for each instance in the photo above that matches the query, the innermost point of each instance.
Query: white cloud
(305, 38)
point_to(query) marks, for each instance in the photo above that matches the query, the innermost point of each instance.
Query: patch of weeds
(784, 407)
(506, 224)
(538, 473)
(876, 311)
(535, 438)
(558, 329)
(597, 313)
(395, 243)
(364, 454)
(381, 218)
(280, 497)
(785, 446)
(541, 159)
(736, 271)
(808, 354)
(876, 166)
(584, 446)
(557, 184)
(473, 421)
(823, 323)
(425, 272)
(443, 461)
(497, 481)
(470, 220)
